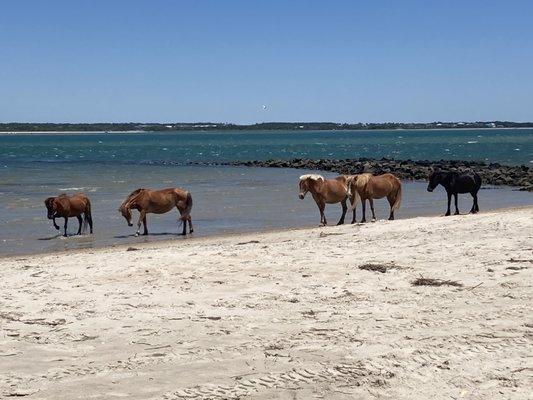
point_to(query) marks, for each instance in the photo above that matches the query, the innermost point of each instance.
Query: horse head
(125, 210)
(351, 185)
(434, 179)
(50, 206)
(307, 183)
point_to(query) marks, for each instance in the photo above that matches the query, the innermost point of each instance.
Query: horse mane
(132, 196)
(313, 177)
(362, 180)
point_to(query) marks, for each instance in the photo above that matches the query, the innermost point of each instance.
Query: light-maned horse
(157, 202)
(64, 206)
(325, 191)
(369, 187)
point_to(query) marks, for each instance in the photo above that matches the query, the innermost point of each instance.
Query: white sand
(290, 316)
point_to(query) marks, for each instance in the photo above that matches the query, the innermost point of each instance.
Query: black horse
(455, 183)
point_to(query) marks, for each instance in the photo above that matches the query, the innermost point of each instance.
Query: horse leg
(145, 226)
(90, 220)
(455, 195)
(391, 200)
(363, 201)
(371, 201)
(80, 222)
(344, 209)
(474, 208)
(184, 230)
(55, 224)
(321, 207)
(191, 230)
(449, 203)
(142, 216)
(65, 226)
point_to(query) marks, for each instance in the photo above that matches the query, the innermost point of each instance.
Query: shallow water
(226, 199)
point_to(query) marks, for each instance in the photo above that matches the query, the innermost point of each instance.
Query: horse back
(467, 182)
(381, 185)
(72, 206)
(336, 189)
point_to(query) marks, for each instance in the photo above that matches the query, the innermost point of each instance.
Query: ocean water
(107, 167)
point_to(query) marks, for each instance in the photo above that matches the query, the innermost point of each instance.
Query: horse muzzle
(130, 224)
(301, 196)
(430, 189)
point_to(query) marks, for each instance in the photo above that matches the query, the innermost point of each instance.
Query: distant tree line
(211, 126)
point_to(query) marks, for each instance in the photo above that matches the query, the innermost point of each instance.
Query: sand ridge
(286, 314)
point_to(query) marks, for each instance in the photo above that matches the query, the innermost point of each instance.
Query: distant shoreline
(116, 127)
(6, 133)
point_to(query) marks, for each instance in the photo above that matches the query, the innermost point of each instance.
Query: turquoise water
(107, 167)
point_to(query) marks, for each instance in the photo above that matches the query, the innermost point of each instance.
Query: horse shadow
(150, 234)
(51, 237)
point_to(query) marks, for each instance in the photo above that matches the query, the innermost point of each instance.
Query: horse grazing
(455, 183)
(64, 206)
(325, 191)
(157, 202)
(369, 187)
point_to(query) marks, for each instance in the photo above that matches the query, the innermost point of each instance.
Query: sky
(221, 61)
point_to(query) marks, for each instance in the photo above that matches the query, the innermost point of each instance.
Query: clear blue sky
(344, 61)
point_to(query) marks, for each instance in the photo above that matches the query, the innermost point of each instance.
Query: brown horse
(157, 202)
(369, 187)
(325, 191)
(64, 206)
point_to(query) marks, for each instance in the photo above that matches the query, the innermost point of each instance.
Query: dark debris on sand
(435, 282)
(378, 267)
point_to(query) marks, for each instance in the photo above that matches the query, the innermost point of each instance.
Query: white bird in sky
(264, 107)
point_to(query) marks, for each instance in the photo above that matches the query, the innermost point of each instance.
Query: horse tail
(398, 200)
(86, 215)
(477, 180)
(188, 207)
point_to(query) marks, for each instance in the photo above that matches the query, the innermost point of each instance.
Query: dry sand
(273, 315)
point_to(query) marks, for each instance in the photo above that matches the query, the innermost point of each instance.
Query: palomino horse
(325, 191)
(454, 183)
(370, 187)
(157, 202)
(64, 206)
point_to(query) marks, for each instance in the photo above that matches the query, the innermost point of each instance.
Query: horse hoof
(137, 234)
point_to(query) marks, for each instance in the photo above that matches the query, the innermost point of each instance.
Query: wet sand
(287, 314)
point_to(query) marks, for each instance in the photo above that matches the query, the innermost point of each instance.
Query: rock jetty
(520, 176)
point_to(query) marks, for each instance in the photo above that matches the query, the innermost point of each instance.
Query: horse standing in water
(455, 183)
(325, 191)
(158, 202)
(64, 206)
(369, 187)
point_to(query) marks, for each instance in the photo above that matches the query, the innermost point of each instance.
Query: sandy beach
(326, 313)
